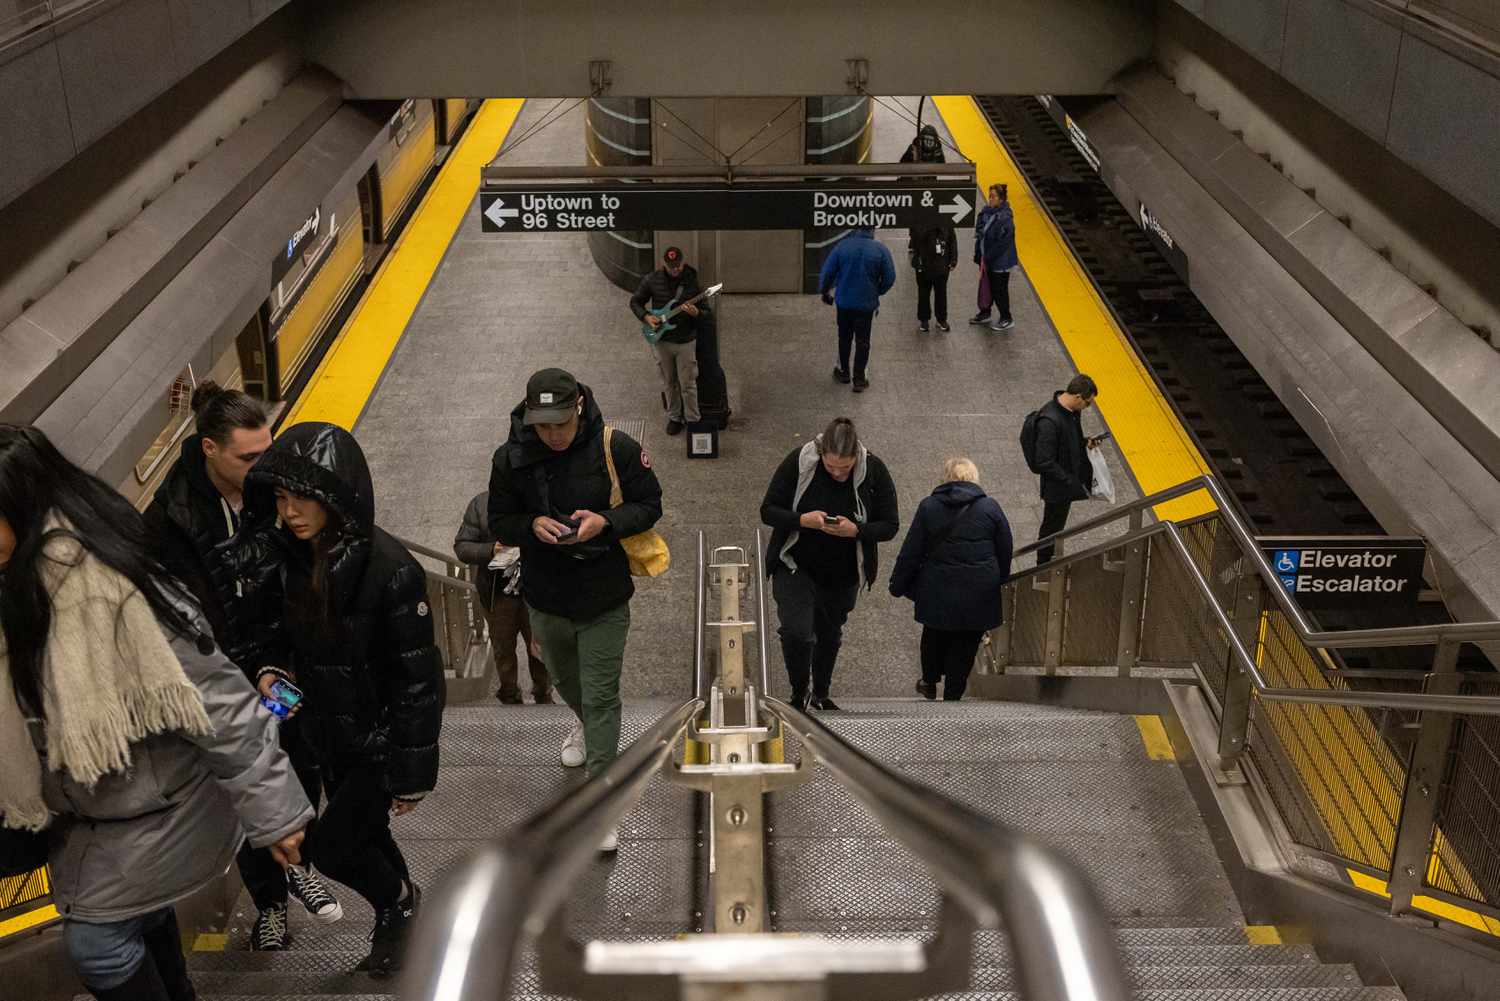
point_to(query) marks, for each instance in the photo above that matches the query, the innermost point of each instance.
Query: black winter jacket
(372, 674)
(1062, 454)
(877, 493)
(957, 585)
(190, 522)
(933, 251)
(659, 288)
(528, 480)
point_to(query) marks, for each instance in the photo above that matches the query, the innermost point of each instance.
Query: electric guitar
(671, 309)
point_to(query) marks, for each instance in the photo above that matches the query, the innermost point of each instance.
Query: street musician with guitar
(668, 303)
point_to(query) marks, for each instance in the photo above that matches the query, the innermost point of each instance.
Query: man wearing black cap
(676, 351)
(549, 494)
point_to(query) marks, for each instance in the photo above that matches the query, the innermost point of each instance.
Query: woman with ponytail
(126, 735)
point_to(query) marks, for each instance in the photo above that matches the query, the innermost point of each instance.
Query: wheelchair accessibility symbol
(1287, 561)
(1290, 583)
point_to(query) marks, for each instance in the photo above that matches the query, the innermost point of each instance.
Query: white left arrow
(497, 213)
(958, 208)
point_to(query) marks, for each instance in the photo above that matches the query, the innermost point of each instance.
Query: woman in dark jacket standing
(194, 513)
(357, 638)
(995, 253)
(954, 559)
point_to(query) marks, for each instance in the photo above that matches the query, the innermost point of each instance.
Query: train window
(179, 413)
(255, 365)
(303, 263)
(403, 121)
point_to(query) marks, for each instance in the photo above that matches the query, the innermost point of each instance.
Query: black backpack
(1028, 439)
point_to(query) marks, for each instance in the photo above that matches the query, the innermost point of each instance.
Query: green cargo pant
(584, 659)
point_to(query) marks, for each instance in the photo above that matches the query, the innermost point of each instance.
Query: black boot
(392, 928)
(164, 945)
(144, 985)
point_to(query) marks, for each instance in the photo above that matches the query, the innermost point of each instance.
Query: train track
(1281, 480)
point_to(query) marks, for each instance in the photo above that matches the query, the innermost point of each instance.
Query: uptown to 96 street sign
(746, 205)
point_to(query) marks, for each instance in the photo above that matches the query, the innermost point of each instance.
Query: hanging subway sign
(1163, 240)
(519, 208)
(1348, 571)
(295, 244)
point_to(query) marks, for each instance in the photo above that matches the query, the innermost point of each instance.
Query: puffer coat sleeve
(242, 751)
(412, 683)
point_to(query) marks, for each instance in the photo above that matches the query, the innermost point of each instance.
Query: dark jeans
(507, 619)
(812, 627)
(948, 656)
(352, 841)
(1000, 292)
(854, 328)
(935, 287)
(1054, 519)
(264, 878)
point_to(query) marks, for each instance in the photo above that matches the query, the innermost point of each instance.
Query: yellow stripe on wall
(343, 383)
(1156, 447)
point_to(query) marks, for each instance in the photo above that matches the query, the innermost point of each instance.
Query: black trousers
(854, 329)
(352, 840)
(934, 287)
(1000, 292)
(1054, 519)
(812, 628)
(264, 878)
(948, 656)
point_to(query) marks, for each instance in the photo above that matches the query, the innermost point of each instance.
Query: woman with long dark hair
(995, 253)
(125, 734)
(194, 513)
(348, 609)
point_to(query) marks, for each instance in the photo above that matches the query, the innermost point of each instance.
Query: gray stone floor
(501, 307)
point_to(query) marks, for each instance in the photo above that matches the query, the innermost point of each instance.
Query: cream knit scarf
(110, 679)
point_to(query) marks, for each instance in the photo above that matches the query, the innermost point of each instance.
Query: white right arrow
(957, 209)
(497, 214)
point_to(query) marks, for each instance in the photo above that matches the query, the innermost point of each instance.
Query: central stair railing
(470, 940)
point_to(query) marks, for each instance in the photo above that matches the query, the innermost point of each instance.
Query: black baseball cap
(672, 256)
(551, 397)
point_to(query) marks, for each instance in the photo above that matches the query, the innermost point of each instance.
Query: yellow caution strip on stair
(1152, 442)
(1263, 934)
(1154, 736)
(26, 920)
(1430, 905)
(344, 382)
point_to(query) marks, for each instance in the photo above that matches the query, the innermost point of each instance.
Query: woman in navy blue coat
(954, 559)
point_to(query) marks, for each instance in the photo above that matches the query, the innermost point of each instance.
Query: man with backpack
(1056, 450)
(934, 254)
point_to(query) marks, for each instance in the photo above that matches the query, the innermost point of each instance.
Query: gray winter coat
(142, 839)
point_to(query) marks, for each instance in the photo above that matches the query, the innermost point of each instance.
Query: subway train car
(316, 278)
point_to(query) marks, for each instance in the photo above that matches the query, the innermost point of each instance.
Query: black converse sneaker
(388, 940)
(304, 884)
(270, 933)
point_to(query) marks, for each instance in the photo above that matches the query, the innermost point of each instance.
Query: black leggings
(948, 656)
(352, 842)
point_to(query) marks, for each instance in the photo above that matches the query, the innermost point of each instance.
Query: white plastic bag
(1104, 487)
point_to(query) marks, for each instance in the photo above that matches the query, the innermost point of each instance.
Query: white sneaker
(573, 748)
(611, 842)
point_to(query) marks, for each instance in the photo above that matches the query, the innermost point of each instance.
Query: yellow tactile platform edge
(1152, 442)
(348, 374)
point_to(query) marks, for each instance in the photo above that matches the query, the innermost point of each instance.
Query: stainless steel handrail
(468, 943)
(1479, 705)
(1329, 639)
(700, 652)
(1064, 946)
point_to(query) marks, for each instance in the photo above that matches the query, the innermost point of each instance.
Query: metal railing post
(1132, 601)
(1411, 853)
(998, 640)
(1234, 724)
(1057, 606)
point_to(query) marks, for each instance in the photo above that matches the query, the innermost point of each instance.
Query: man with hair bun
(194, 512)
(829, 503)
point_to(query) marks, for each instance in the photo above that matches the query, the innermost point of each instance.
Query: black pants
(264, 878)
(1054, 519)
(854, 328)
(948, 656)
(352, 840)
(935, 287)
(812, 627)
(1000, 292)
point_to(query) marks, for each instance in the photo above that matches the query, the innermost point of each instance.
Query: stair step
(1230, 994)
(899, 739)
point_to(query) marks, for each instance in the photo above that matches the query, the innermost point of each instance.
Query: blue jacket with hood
(861, 269)
(995, 238)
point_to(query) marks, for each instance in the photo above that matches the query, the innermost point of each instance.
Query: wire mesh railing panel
(1283, 783)
(1465, 857)
(1028, 627)
(1178, 627)
(1091, 625)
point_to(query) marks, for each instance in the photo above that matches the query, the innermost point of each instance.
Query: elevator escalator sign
(1347, 571)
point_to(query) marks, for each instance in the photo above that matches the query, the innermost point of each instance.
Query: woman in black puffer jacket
(955, 557)
(356, 636)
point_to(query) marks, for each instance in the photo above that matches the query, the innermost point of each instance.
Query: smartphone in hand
(572, 529)
(830, 520)
(285, 697)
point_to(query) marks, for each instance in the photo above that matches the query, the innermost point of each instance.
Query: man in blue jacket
(855, 276)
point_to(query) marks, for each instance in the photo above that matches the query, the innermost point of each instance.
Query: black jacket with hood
(956, 583)
(578, 581)
(1062, 455)
(190, 522)
(371, 673)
